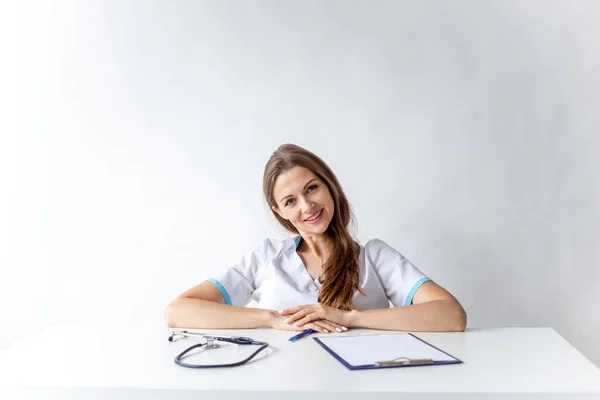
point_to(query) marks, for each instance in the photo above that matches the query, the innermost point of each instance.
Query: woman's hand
(301, 316)
(278, 321)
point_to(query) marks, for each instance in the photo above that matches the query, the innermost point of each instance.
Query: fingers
(319, 326)
(293, 310)
(328, 326)
(309, 318)
(292, 320)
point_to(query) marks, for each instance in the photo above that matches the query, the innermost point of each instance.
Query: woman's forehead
(293, 179)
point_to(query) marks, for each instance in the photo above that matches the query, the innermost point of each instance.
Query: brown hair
(340, 276)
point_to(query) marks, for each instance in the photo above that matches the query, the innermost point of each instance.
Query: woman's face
(304, 200)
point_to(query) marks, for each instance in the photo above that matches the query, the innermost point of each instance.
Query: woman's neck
(317, 245)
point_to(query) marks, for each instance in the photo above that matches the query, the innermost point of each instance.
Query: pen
(301, 335)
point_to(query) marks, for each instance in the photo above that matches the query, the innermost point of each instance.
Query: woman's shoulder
(378, 249)
(375, 244)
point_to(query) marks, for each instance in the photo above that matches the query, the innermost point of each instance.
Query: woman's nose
(306, 205)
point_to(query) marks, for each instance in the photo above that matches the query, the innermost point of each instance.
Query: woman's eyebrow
(305, 186)
(309, 182)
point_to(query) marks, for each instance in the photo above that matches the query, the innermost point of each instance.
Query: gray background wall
(134, 136)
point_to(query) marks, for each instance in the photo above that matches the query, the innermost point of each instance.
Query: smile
(315, 217)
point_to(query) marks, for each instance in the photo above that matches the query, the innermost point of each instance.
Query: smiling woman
(321, 278)
(313, 204)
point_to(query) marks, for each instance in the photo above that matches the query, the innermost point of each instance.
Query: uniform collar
(297, 241)
(292, 243)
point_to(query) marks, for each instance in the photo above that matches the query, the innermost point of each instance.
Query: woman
(322, 278)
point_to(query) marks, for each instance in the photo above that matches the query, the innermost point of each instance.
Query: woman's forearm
(437, 316)
(195, 313)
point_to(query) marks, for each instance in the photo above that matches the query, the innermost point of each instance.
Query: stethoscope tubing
(178, 361)
(229, 339)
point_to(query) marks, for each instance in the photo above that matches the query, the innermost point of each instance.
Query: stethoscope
(208, 342)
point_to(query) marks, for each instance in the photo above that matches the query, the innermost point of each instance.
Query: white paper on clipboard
(368, 349)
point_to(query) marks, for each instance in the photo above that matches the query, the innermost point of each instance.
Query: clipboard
(384, 351)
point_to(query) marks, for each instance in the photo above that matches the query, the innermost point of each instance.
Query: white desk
(74, 362)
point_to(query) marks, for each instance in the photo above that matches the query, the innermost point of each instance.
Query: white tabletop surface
(116, 362)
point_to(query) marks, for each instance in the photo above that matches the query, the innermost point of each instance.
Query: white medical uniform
(275, 277)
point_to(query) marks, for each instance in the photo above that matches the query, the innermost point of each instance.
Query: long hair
(340, 276)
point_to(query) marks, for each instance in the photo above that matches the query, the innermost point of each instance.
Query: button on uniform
(312, 287)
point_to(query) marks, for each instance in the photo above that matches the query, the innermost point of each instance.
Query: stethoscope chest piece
(210, 343)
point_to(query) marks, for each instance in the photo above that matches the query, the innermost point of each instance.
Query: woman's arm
(203, 306)
(433, 309)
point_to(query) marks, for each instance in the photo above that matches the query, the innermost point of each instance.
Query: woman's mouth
(315, 218)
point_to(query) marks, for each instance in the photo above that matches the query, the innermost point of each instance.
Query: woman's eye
(287, 203)
(311, 188)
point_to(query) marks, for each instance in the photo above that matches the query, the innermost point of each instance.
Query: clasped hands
(320, 317)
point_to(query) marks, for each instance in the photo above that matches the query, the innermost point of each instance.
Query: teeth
(315, 217)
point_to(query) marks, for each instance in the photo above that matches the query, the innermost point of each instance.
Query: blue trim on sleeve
(414, 289)
(221, 289)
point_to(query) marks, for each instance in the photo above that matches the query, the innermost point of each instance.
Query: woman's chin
(317, 229)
